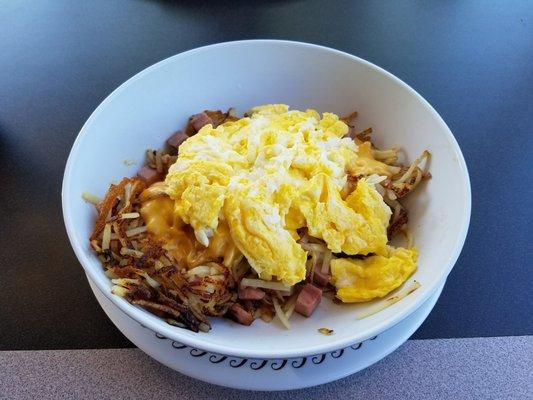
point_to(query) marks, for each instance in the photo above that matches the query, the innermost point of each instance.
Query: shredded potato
(258, 283)
(91, 198)
(280, 314)
(136, 231)
(131, 252)
(125, 281)
(130, 215)
(120, 291)
(106, 238)
(290, 305)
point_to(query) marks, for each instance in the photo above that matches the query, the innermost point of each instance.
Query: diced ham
(251, 293)
(149, 175)
(176, 139)
(321, 278)
(197, 121)
(218, 117)
(308, 300)
(240, 315)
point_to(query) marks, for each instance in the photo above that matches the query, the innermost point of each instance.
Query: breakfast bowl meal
(258, 216)
(266, 199)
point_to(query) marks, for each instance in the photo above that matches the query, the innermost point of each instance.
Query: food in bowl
(258, 217)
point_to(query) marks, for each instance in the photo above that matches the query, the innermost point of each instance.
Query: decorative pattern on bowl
(257, 364)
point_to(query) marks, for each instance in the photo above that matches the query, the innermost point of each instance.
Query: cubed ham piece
(197, 121)
(240, 315)
(321, 278)
(250, 293)
(176, 139)
(218, 117)
(149, 175)
(308, 300)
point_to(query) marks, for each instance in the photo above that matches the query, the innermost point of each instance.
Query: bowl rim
(161, 327)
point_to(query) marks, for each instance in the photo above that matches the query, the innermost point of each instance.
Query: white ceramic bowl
(266, 374)
(149, 107)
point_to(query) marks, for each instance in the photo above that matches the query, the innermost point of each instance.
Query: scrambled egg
(266, 175)
(355, 226)
(374, 276)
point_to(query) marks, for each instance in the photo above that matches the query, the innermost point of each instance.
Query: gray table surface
(472, 60)
(478, 368)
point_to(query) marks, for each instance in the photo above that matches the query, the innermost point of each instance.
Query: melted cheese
(179, 239)
(366, 164)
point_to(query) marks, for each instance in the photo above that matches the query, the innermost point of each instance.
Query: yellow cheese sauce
(178, 238)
